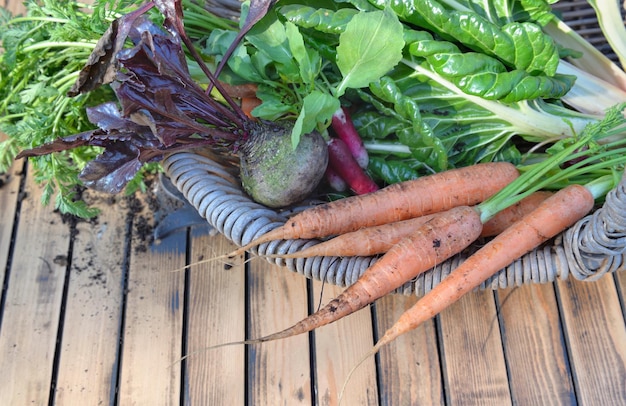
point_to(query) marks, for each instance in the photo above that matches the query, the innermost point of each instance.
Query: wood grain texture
(596, 339)
(533, 343)
(474, 369)
(279, 371)
(32, 307)
(216, 315)
(153, 326)
(562, 343)
(338, 347)
(9, 187)
(88, 362)
(410, 369)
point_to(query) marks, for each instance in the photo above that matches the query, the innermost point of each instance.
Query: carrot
(379, 239)
(239, 91)
(247, 93)
(248, 104)
(512, 214)
(553, 215)
(430, 194)
(443, 236)
(366, 241)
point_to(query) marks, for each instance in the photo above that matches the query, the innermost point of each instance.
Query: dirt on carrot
(379, 239)
(552, 216)
(401, 201)
(445, 235)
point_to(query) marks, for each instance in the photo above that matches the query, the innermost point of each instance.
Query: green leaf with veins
(370, 46)
(521, 45)
(323, 20)
(309, 61)
(317, 107)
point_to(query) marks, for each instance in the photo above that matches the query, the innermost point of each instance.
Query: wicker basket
(594, 246)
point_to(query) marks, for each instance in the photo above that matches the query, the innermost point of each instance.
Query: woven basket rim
(220, 200)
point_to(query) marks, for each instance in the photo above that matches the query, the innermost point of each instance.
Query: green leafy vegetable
(292, 78)
(522, 45)
(433, 84)
(370, 46)
(43, 53)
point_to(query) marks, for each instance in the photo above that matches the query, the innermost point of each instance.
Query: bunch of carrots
(418, 224)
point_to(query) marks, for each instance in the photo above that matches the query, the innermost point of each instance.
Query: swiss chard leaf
(482, 75)
(422, 120)
(502, 12)
(520, 45)
(320, 19)
(391, 170)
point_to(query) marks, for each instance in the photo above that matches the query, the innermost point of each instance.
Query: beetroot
(275, 174)
(163, 110)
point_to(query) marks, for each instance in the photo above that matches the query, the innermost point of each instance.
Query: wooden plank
(9, 189)
(279, 371)
(620, 282)
(473, 359)
(33, 297)
(88, 367)
(216, 315)
(338, 347)
(596, 339)
(410, 371)
(152, 340)
(534, 346)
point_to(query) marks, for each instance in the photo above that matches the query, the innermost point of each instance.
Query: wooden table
(94, 313)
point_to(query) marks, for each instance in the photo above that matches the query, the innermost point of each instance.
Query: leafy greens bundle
(475, 81)
(474, 77)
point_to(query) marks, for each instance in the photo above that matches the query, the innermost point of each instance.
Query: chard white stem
(590, 94)
(612, 25)
(393, 148)
(591, 60)
(526, 119)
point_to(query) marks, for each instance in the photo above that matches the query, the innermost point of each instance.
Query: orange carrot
(248, 104)
(239, 91)
(379, 239)
(435, 241)
(400, 201)
(363, 242)
(554, 215)
(247, 93)
(512, 214)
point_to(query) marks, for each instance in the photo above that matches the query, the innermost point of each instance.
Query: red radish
(335, 181)
(343, 163)
(344, 128)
